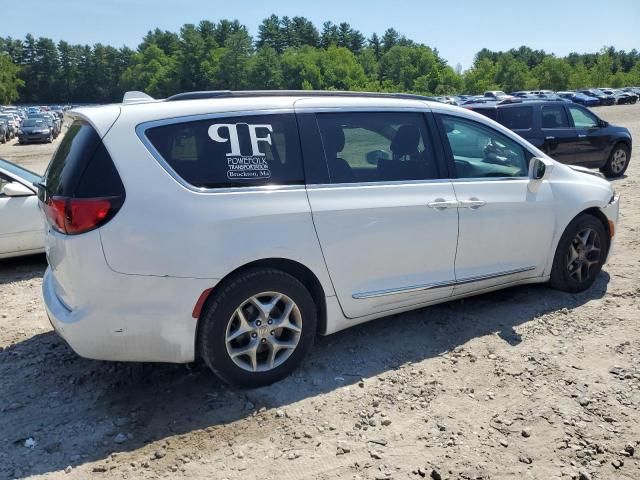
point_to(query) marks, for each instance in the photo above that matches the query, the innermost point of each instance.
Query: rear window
(516, 118)
(233, 151)
(82, 167)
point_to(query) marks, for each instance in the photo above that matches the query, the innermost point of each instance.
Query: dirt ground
(526, 383)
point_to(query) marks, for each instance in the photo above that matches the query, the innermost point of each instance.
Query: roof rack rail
(285, 93)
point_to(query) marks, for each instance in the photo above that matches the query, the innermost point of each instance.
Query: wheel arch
(594, 211)
(625, 141)
(293, 268)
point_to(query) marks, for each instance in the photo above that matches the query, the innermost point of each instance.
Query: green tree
(153, 72)
(340, 69)
(270, 34)
(265, 71)
(511, 74)
(579, 77)
(552, 73)
(234, 60)
(9, 81)
(602, 69)
(481, 76)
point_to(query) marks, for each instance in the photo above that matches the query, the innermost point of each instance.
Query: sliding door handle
(441, 204)
(472, 203)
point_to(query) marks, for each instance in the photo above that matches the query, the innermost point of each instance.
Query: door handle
(441, 204)
(549, 138)
(472, 203)
(582, 136)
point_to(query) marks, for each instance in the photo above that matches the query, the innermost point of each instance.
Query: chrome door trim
(489, 276)
(431, 286)
(397, 291)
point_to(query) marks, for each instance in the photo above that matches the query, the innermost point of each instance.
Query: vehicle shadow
(75, 409)
(22, 268)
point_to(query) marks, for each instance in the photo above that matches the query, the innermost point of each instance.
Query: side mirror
(603, 124)
(537, 169)
(16, 189)
(375, 156)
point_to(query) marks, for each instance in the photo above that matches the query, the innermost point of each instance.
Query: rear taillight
(79, 215)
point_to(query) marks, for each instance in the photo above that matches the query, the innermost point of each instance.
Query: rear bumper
(132, 318)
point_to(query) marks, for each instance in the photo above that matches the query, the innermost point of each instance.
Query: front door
(505, 229)
(594, 141)
(21, 229)
(386, 218)
(560, 138)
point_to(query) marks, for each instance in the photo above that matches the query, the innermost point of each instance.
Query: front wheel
(618, 161)
(581, 253)
(258, 328)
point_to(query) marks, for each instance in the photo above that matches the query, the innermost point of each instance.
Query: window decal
(244, 167)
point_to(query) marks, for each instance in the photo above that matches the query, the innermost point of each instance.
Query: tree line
(288, 53)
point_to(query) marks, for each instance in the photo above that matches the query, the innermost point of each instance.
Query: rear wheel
(580, 255)
(258, 328)
(618, 161)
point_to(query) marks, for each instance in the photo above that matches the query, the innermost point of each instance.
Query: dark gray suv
(567, 132)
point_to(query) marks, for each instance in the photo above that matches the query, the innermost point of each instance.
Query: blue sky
(458, 29)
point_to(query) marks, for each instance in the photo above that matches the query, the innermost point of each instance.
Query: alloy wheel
(263, 332)
(584, 253)
(619, 161)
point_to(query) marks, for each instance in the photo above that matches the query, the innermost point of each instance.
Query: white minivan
(237, 226)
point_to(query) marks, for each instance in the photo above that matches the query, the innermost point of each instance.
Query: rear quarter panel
(166, 229)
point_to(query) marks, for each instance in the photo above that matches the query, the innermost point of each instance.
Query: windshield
(32, 122)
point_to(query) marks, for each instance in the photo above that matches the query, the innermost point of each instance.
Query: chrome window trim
(363, 109)
(489, 179)
(431, 286)
(141, 129)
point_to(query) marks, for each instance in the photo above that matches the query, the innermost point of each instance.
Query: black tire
(613, 169)
(562, 277)
(220, 309)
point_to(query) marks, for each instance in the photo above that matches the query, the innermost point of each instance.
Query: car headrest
(406, 140)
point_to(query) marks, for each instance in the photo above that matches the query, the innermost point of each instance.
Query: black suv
(567, 132)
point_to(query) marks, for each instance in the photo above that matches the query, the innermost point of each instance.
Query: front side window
(479, 151)
(232, 151)
(377, 147)
(554, 116)
(582, 118)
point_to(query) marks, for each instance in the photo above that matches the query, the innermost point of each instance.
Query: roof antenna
(136, 97)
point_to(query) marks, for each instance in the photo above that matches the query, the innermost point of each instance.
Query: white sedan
(21, 223)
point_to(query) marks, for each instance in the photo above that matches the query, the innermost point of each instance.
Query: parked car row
(589, 97)
(31, 124)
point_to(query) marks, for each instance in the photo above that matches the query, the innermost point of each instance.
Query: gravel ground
(526, 383)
